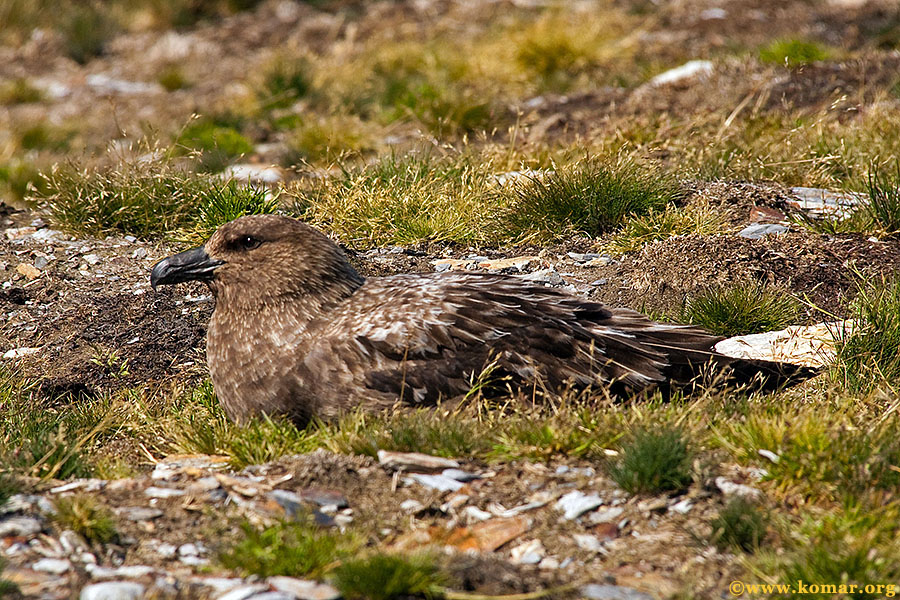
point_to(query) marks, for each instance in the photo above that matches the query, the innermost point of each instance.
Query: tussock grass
(794, 52)
(284, 81)
(401, 200)
(853, 545)
(868, 355)
(656, 460)
(388, 577)
(222, 203)
(740, 525)
(741, 309)
(8, 589)
(146, 198)
(19, 91)
(46, 440)
(829, 449)
(21, 178)
(217, 144)
(294, 548)
(884, 199)
(588, 198)
(172, 78)
(332, 138)
(84, 515)
(660, 225)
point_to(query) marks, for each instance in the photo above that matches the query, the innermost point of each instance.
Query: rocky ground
(81, 324)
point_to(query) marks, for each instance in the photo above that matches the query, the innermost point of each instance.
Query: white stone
(730, 488)
(692, 68)
(606, 515)
(436, 482)
(588, 542)
(112, 590)
(576, 503)
(54, 566)
(20, 352)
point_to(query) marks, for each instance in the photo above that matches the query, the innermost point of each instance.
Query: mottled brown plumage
(297, 331)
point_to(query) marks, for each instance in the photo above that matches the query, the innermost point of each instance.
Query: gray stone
(460, 475)
(437, 482)
(158, 492)
(549, 276)
(112, 590)
(597, 591)
(588, 542)
(140, 513)
(19, 526)
(54, 566)
(303, 589)
(127, 571)
(576, 503)
(760, 230)
(415, 461)
(243, 592)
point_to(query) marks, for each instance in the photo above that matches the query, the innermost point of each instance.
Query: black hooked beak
(189, 265)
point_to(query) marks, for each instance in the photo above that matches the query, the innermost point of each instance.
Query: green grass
(331, 138)
(868, 355)
(217, 144)
(8, 589)
(401, 200)
(884, 199)
(741, 309)
(660, 225)
(84, 515)
(21, 178)
(793, 52)
(146, 199)
(19, 91)
(588, 198)
(42, 136)
(656, 460)
(87, 28)
(222, 203)
(740, 525)
(388, 577)
(284, 81)
(172, 78)
(293, 548)
(853, 545)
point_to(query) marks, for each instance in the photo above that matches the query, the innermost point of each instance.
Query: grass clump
(884, 199)
(85, 516)
(793, 52)
(403, 200)
(739, 525)
(588, 198)
(854, 545)
(142, 198)
(867, 355)
(20, 179)
(655, 460)
(388, 577)
(741, 309)
(172, 78)
(199, 424)
(293, 548)
(146, 198)
(217, 144)
(330, 138)
(285, 81)
(221, 203)
(87, 28)
(19, 91)
(661, 225)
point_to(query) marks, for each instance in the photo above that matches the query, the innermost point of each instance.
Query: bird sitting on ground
(297, 331)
